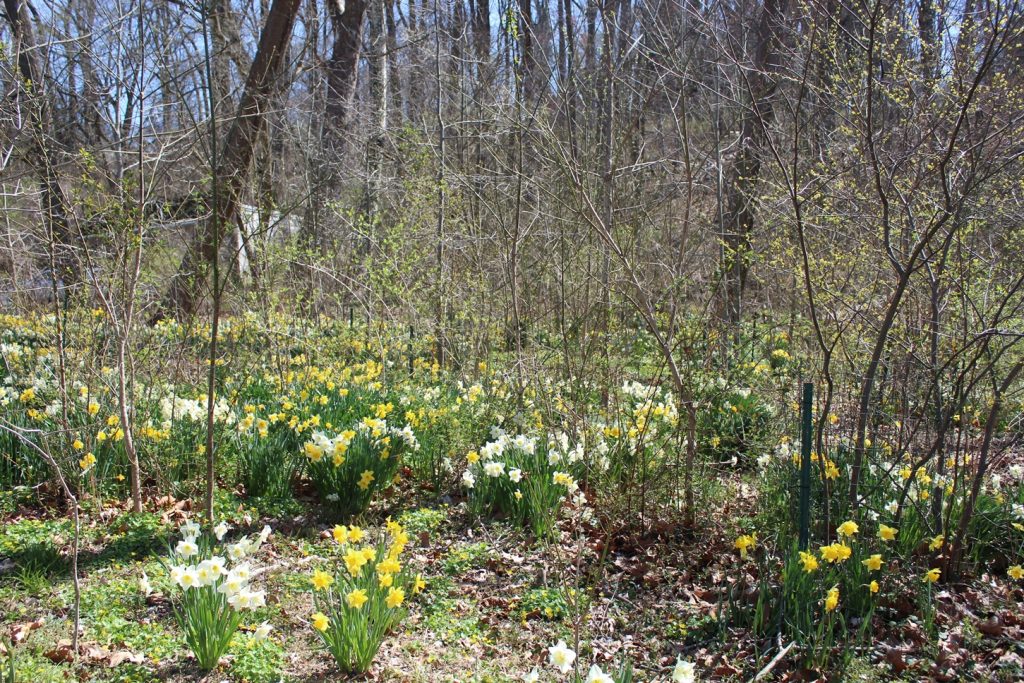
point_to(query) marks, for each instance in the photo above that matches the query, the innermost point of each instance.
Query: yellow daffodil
(356, 599)
(835, 552)
(832, 598)
(887, 533)
(932, 575)
(831, 470)
(313, 452)
(321, 580)
(848, 529)
(354, 561)
(395, 598)
(809, 561)
(873, 563)
(389, 566)
(320, 621)
(745, 544)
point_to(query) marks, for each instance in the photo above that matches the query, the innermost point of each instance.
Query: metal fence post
(806, 436)
(412, 336)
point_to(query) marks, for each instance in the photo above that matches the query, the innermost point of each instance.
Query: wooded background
(532, 175)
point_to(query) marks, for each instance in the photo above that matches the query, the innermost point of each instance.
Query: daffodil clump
(824, 586)
(215, 588)
(850, 562)
(357, 606)
(449, 419)
(265, 443)
(525, 478)
(639, 429)
(351, 466)
(737, 418)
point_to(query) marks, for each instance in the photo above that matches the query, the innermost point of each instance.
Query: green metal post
(412, 335)
(806, 436)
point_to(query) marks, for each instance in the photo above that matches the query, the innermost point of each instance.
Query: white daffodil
(684, 672)
(238, 551)
(205, 575)
(231, 585)
(214, 566)
(186, 549)
(189, 531)
(241, 572)
(188, 578)
(262, 631)
(561, 657)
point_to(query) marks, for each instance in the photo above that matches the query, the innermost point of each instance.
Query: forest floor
(494, 601)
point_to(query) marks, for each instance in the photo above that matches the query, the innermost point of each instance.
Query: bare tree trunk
(227, 44)
(607, 198)
(482, 34)
(929, 49)
(347, 24)
(238, 150)
(527, 51)
(395, 108)
(441, 305)
(379, 76)
(568, 77)
(742, 178)
(43, 152)
(590, 47)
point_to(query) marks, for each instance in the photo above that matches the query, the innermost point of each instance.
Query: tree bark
(347, 24)
(929, 49)
(741, 180)
(237, 153)
(42, 152)
(379, 85)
